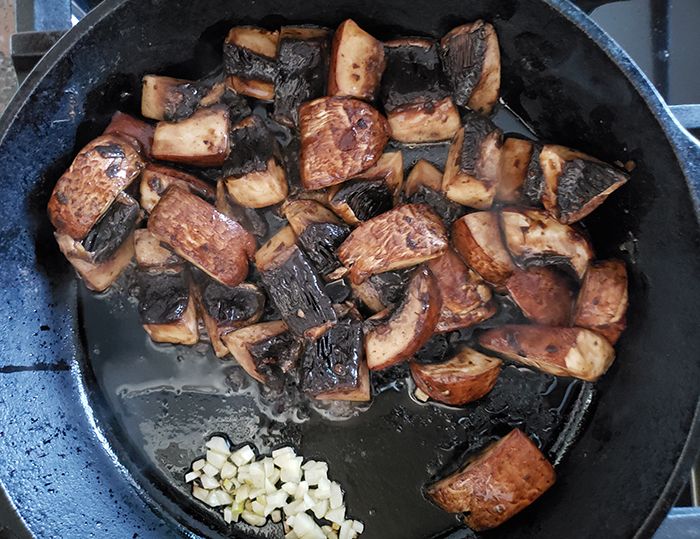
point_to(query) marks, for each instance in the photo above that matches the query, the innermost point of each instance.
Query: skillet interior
(560, 82)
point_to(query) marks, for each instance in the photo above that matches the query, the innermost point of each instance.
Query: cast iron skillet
(64, 463)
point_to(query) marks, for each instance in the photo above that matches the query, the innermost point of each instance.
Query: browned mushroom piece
(294, 286)
(491, 487)
(466, 299)
(202, 139)
(472, 61)
(576, 352)
(248, 218)
(575, 183)
(151, 252)
(602, 301)
(466, 377)
(98, 174)
(535, 238)
(405, 236)
(127, 125)
(155, 179)
(226, 308)
(389, 167)
(266, 351)
(543, 294)
(422, 173)
(202, 235)
(340, 138)
(415, 93)
(167, 304)
(515, 160)
(333, 366)
(303, 57)
(98, 276)
(250, 65)
(394, 336)
(473, 163)
(477, 238)
(170, 99)
(254, 172)
(357, 63)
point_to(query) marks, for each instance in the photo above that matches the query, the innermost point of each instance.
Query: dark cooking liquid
(169, 399)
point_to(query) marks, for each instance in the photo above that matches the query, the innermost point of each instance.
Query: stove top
(660, 35)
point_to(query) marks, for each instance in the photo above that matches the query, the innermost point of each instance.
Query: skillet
(68, 465)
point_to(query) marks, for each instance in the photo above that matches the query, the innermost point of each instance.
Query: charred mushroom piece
(113, 228)
(473, 163)
(100, 171)
(203, 236)
(357, 63)
(395, 336)
(477, 238)
(167, 305)
(602, 301)
(169, 99)
(422, 173)
(129, 126)
(151, 252)
(543, 295)
(333, 366)
(415, 93)
(575, 183)
(576, 352)
(97, 276)
(534, 185)
(155, 179)
(472, 61)
(389, 167)
(319, 233)
(466, 377)
(491, 487)
(340, 138)
(534, 238)
(254, 171)
(250, 66)
(402, 237)
(448, 210)
(383, 289)
(294, 286)
(248, 218)
(224, 308)
(357, 201)
(466, 299)
(201, 139)
(515, 160)
(303, 56)
(265, 351)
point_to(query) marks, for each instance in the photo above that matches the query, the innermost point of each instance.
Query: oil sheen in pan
(164, 401)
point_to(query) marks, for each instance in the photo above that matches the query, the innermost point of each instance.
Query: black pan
(76, 460)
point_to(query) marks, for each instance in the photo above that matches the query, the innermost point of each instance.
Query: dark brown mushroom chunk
(602, 301)
(473, 163)
(303, 57)
(155, 179)
(202, 235)
(415, 93)
(402, 237)
(170, 99)
(515, 161)
(394, 336)
(466, 377)
(250, 65)
(576, 352)
(167, 305)
(491, 487)
(340, 139)
(543, 294)
(472, 61)
(254, 171)
(294, 286)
